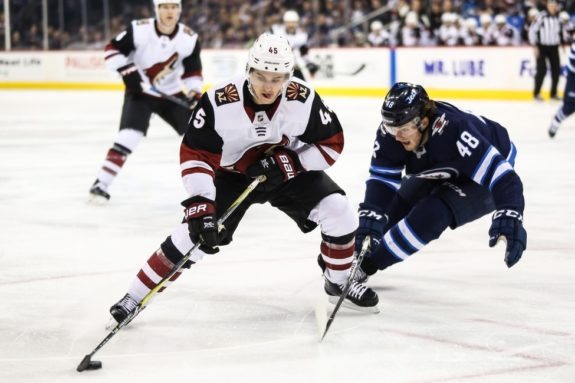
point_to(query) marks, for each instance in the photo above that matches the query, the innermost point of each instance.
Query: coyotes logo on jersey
(158, 71)
(297, 92)
(226, 95)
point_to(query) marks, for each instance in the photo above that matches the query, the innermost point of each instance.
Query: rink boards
(458, 72)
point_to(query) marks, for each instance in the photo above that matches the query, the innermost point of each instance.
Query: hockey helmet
(403, 103)
(290, 17)
(271, 53)
(157, 4)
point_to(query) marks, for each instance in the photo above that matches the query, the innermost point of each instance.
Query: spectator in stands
(379, 36)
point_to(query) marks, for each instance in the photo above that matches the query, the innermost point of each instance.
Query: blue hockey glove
(509, 224)
(372, 222)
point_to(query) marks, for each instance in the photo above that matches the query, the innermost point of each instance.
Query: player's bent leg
(125, 144)
(157, 267)
(338, 221)
(424, 223)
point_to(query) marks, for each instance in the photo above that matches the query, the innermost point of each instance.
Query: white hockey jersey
(171, 63)
(228, 130)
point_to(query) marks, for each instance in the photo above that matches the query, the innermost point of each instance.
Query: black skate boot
(359, 296)
(360, 275)
(98, 192)
(123, 308)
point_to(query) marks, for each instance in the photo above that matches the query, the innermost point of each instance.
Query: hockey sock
(155, 269)
(126, 142)
(337, 253)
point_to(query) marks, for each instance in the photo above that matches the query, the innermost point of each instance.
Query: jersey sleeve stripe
(512, 154)
(383, 170)
(503, 167)
(481, 169)
(389, 182)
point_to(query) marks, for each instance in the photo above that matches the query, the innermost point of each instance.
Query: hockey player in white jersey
(262, 123)
(158, 53)
(304, 67)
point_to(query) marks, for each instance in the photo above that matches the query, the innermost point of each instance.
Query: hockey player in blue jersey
(435, 166)
(568, 106)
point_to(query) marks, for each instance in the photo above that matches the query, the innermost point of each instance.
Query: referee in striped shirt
(545, 34)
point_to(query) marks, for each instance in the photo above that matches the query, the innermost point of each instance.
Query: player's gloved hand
(200, 214)
(193, 98)
(509, 224)
(372, 222)
(131, 77)
(279, 166)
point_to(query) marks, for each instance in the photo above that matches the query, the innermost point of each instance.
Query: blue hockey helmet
(403, 103)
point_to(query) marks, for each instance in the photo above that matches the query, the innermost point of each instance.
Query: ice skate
(123, 308)
(553, 130)
(98, 193)
(360, 275)
(359, 297)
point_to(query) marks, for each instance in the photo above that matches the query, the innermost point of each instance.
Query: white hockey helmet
(376, 25)
(157, 4)
(271, 53)
(564, 16)
(500, 19)
(291, 17)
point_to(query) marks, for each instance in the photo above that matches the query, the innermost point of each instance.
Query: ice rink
(452, 313)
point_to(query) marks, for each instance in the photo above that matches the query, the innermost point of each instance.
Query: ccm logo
(508, 213)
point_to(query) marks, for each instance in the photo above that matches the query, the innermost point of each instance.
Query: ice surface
(453, 313)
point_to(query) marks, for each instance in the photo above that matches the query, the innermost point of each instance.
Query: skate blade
(369, 310)
(95, 199)
(111, 324)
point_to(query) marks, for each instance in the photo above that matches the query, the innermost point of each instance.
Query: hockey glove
(509, 224)
(200, 214)
(372, 222)
(280, 166)
(131, 77)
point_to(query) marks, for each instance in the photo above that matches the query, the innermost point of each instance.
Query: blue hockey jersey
(460, 144)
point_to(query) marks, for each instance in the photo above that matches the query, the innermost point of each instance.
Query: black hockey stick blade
(88, 364)
(359, 69)
(355, 264)
(169, 97)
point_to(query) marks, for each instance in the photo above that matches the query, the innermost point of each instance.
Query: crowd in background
(234, 23)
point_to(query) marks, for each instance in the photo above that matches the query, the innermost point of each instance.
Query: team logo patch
(142, 21)
(227, 95)
(438, 174)
(438, 125)
(297, 92)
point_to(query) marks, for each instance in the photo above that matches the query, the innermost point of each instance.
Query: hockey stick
(352, 73)
(87, 363)
(169, 97)
(354, 265)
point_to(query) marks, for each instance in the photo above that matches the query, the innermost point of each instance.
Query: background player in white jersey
(458, 167)
(262, 123)
(304, 67)
(160, 53)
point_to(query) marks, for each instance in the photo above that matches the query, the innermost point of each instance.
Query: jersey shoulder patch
(297, 92)
(189, 31)
(142, 21)
(227, 95)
